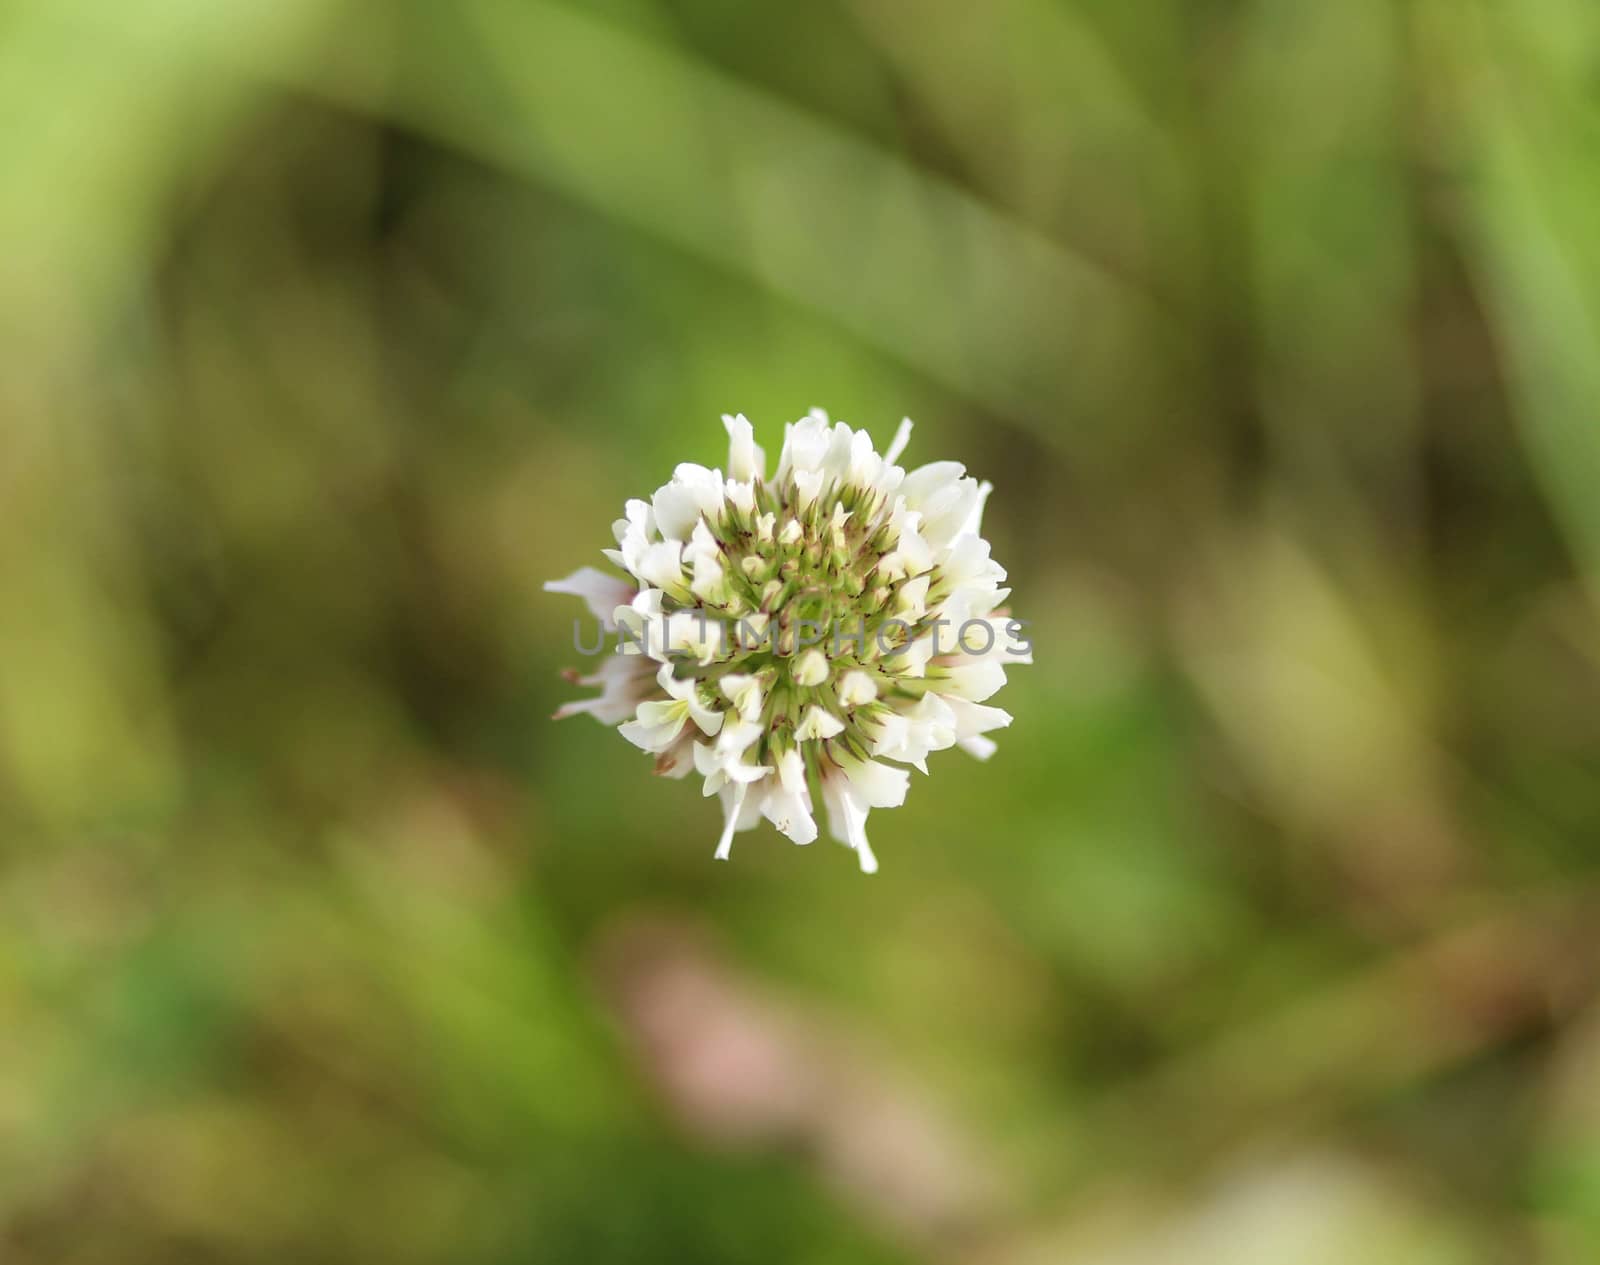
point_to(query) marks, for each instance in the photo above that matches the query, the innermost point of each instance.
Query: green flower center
(823, 577)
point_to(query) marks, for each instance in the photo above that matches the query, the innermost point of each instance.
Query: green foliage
(334, 327)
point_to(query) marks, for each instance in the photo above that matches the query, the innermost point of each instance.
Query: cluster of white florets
(786, 636)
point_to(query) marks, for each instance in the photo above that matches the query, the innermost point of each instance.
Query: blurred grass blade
(905, 261)
(1532, 213)
(106, 113)
(1331, 273)
(1041, 111)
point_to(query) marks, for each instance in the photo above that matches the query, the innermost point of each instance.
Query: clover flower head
(804, 634)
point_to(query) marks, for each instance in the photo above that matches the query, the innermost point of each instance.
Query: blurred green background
(332, 328)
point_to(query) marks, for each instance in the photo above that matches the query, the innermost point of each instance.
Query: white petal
(864, 465)
(839, 456)
(623, 680)
(704, 557)
(912, 660)
(974, 520)
(737, 735)
(912, 600)
(661, 565)
(857, 689)
(897, 445)
(657, 726)
(805, 443)
(979, 748)
(877, 785)
(694, 491)
(837, 523)
(947, 511)
(745, 692)
(741, 495)
(730, 823)
(973, 719)
(817, 723)
(911, 736)
(719, 768)
(790, 814)
(811, 668)
(606, 711)
(639, 626)
(911, 555)
(633, 533)
(969, 565)
(602, 593)
(808, 486)
(847, 821)
(1016, 646)
(687, 693)
(926, 482)
(676, 762)
(708, 764)
(792, 772)
(687, 634)
(975, 679)
(707, 720)
(746, 461)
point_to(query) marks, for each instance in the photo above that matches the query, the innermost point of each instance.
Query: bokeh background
(332, 328)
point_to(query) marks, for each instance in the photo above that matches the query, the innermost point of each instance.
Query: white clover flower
(783, 638)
